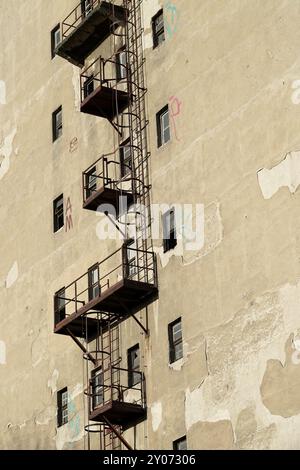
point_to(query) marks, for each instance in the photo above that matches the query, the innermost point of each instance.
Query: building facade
(149, 257)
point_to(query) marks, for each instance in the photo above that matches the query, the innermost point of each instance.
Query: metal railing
(107, 172)
(124, 263)
(102, 72)
(77, 16)
(115, 388)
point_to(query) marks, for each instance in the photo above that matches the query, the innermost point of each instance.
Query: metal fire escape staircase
(94, 324)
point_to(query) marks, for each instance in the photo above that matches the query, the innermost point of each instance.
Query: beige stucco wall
(233, 67)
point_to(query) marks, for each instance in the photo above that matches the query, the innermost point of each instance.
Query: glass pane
(61, 301)
(178, 351)
(181, 445)
(64, 398)
(159, 22)
(57, 37)
(135, 359)
(177, 331)
(59, 119)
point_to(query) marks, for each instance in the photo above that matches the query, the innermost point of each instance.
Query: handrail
(143, 261)
(83, 14)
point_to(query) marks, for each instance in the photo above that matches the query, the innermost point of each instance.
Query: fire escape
(91, 308)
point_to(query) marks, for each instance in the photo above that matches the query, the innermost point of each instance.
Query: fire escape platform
(107, 195)
(119, 414)
(105, 102)
(95, 27)
(123, 299)
(79, 327)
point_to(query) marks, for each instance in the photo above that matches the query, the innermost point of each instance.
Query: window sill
(164, 146)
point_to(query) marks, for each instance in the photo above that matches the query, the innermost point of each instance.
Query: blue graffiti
(171, 19)
(74, 422)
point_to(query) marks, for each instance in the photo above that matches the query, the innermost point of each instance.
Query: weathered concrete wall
(230, 72)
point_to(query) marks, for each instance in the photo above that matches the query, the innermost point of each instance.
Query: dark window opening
(58, 213)
(158, 29)
(57, 124)
(121, 64)
(88, 86)
(60, 305)
(131, 258)
(169, 230)
(163, 126)
(180, 444)
(125, 158)
(86, 7)
(55, 39)
(97, 387)
(93, 280)
(91, 182)
(62, 407)
(133, 361)
(175, 341)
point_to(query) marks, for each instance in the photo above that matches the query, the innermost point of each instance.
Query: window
(60, 305)
(58, 213)
(55, 39)
(90, 182)
(158, 29)
(86, 7)
(169, 230)
(121, 64)
(131, 262)
(163, 126)
(175, 341)
(133, 361)
(125, 158)
(88, 86)
(180, 444)
(97, 387)
(62, 407)
(57, 124)
(93, 279)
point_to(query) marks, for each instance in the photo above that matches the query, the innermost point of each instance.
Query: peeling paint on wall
(285, 174)
(73, 431)
(52, 382)
(2, 92)
(156, 414)
(2, 353)
(76, 82)
(196, 410)
(281, 384)
(6, 149)
(12, 275)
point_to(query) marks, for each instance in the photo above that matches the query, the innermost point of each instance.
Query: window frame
(59, 311)
(174, 343)
(161, 130)
(87, 7)
(125, 169)
(54, 44)
(121, 67)
(179, 441)
(96, 403)
(134, 378)
(57, 129)
(169, 230)
(57, 223)
(88, 86)
(93, 287)
(158, 35)
(131, 268)
(91, 175)
(62, 406)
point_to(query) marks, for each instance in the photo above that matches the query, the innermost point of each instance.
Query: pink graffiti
(175, 109)
(69, 218)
